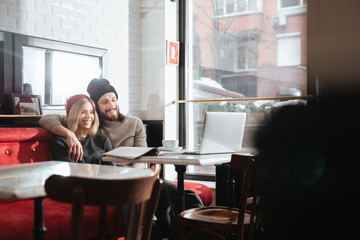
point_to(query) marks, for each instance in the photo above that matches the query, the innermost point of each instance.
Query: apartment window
(246, 55)
(240, 56)
(238, 53)
(292, 7)
(293, 3)
(230, 7)
(288, 49)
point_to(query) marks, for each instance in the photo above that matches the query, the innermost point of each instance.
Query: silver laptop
(222, 133)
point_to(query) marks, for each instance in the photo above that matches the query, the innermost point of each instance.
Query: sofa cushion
(25, 134)
(24, 145)
(204, 192)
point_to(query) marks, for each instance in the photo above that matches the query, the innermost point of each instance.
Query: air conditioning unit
(278, 21)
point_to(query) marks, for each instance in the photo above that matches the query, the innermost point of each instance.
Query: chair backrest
(255, 202)
(138, 197)
(244, 163)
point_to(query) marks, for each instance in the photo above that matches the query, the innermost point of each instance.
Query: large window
(56, 70)
(57, 75)
(241, 56)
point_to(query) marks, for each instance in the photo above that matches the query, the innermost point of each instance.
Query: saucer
(170, 149)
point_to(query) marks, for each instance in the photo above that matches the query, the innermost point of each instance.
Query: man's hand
(75, 147)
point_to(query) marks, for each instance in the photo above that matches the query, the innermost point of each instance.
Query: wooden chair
(221, 221)
(141, 195)
(254, 209)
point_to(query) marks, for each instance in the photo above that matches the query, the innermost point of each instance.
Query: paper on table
(131, 152)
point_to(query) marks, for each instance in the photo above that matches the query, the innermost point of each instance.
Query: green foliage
(231, 107)
(251, 107)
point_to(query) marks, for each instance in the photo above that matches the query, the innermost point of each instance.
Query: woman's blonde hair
(74, 116)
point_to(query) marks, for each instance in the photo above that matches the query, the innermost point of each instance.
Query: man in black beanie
(123, 130)
(98, 87)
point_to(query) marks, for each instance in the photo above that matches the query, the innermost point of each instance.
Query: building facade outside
(253, 47)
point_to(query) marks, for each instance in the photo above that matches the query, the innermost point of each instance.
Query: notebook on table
(131, 152)
(222, 133)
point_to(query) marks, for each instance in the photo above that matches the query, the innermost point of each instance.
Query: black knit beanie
(98, 87)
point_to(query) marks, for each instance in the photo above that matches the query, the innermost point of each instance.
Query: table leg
(39, 227)
(180, 169)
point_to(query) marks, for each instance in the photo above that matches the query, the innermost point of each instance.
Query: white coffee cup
(170, 144)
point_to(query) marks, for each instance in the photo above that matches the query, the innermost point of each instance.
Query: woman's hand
(75, 147)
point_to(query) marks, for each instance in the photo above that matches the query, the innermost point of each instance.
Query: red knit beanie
(72, 100)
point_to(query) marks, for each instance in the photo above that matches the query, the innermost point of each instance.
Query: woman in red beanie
(83, 121)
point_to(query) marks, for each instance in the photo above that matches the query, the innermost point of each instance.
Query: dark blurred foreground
(310, 171)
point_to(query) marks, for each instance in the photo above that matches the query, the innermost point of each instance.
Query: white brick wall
(153, 55)
(134, 59)
(96, 23)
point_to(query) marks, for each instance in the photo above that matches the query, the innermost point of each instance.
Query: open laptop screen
(222, 132)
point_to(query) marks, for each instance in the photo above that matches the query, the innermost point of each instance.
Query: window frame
(287, 36)
(235, 13)
(50, 46)
(247, 44)
(292, 10)
(301, 4)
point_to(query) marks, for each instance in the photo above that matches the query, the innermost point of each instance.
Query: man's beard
(112, 117)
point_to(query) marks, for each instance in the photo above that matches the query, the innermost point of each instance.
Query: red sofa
(28, 145)
(31, 144)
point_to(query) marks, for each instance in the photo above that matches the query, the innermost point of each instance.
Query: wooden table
(26, 181)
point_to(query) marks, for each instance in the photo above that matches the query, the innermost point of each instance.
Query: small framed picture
(172, 53)
(26, 104)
